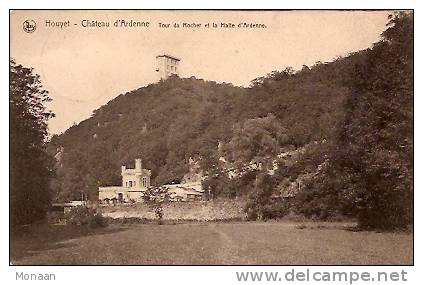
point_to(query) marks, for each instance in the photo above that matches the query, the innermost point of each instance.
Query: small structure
(57, 211)
(167, 65)
(185, 192)
(134, 183)
(66, 207)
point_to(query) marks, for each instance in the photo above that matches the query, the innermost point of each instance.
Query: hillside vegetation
(168, 122)
(352, 115)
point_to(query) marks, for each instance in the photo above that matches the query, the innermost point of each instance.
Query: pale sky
(84, 68)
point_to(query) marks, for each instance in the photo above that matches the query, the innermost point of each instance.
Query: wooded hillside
(359, 105)
(168, 122)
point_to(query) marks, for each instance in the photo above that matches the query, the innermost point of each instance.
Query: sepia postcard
(212, 137)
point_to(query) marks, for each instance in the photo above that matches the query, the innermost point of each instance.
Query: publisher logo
(29, 26)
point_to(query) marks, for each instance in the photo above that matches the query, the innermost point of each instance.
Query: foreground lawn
(281, 243)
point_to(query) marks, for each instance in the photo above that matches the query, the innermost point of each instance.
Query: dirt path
(228, 252)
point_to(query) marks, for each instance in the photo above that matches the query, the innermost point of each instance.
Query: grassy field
(210, 243)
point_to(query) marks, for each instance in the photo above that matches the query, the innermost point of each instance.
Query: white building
(134, 183)
(185, 192)
(167, 65)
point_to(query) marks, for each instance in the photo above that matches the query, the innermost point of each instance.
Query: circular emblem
(29, 26)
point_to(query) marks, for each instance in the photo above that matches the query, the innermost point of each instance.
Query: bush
(84, 216)
(97, 221)
(385, 207)
(220, 185)
(268, 211)
(261, 206)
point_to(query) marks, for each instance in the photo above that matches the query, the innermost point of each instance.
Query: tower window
(144, 181)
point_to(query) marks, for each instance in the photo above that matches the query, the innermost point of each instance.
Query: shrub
(266, 211)
(276, 209)
(84, 216)
(260, 205)
(327, 196)
(130, 220)
(97, 221)
(154, 197)
(385, 207)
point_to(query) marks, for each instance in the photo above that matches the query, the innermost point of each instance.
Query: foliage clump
(369, 171)
(31, 168)
(360, 166)
(85, 216)
(155, 197)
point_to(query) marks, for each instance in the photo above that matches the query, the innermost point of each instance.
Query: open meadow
(281, 243)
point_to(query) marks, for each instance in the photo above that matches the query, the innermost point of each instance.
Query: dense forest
(352, 116)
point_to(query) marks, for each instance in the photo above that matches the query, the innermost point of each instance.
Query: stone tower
(167, 65)
(136, 177)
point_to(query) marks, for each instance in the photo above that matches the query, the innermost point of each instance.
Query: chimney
(123, 169)
(138, 165)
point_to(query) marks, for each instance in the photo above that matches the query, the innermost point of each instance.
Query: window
(130, 183)
(144, 181)
(135, 183)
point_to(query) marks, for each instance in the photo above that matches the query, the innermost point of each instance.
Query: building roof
(169, 56)
(180, 191)
(186, 188)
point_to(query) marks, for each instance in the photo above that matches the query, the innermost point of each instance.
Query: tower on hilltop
(167, 65)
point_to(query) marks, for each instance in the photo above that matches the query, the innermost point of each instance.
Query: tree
(259, 203)
(154, 197)
(256, 140)
(371, 167)
(30, 165)
(265, 81)
(379, 130)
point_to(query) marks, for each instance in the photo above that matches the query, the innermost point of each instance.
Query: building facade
(167, 65)
(185, 192)
(134, 182)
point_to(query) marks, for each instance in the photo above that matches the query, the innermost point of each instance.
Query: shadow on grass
(33, 239)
